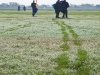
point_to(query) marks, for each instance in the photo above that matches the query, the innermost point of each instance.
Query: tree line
(15, 5)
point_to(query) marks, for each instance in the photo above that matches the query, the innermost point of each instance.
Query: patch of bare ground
(87, 43)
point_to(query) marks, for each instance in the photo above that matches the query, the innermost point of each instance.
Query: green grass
(43, 45)
(82, 66)
(62, 61)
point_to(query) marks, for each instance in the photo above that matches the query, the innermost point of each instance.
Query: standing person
(34, 8)
(65, 5)
(18, 8)
(24, 8)
(57, 8)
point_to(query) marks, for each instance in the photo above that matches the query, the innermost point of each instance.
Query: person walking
(34, 8)
(65, 5)
(57, 8)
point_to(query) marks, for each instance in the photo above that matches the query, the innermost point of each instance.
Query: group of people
(61, 6)
(24, 8)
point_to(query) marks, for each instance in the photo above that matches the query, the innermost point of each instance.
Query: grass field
(43, 45)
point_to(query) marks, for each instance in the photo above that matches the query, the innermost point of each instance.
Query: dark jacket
(58, 6)
(65, 5)
(33, 5)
